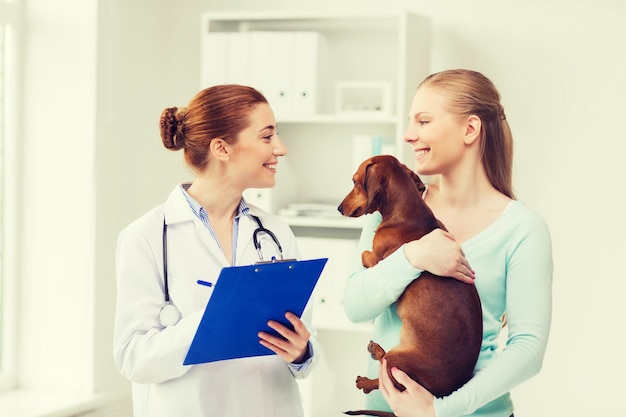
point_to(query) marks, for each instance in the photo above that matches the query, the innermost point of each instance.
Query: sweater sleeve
(529, 309)
(370, 290)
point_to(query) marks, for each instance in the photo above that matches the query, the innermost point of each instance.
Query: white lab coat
(151, 356)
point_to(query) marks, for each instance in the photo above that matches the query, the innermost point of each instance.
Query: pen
(205, 283)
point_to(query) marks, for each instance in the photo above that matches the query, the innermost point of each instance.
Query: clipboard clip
(275, 261)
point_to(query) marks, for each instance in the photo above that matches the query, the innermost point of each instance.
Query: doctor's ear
(219, 149)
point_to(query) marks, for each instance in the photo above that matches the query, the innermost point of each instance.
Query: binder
(237, 59)
(213, 58)
(271, 68)
(244, 299)
(283, 65)
(305, 73)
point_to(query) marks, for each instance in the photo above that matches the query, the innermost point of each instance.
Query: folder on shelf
(214, 53)
(244, 299)
(306, 58)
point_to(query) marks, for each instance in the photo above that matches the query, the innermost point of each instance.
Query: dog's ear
(418, 182)
(372, 183)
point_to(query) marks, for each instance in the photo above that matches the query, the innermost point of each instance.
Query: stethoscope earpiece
(169, 315)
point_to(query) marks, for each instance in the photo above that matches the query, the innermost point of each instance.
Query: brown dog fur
(442, 327)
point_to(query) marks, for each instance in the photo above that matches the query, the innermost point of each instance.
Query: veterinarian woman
(228, 134)
(459, 134)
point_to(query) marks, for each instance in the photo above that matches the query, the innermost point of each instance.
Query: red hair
(220, 111)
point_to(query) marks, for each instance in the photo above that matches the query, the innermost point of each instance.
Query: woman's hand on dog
(437, 252)
(293, 346)
(414, 401)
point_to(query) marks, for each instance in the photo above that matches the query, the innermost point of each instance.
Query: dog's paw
(375, 350)
(366, 384)
(369, 259)
(361, 381)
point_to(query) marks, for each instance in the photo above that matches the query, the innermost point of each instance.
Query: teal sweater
(512, 258)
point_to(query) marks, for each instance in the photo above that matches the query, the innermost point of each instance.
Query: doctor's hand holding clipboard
(292, 345)
(230, 142)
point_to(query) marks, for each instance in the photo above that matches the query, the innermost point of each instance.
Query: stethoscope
(169, 314)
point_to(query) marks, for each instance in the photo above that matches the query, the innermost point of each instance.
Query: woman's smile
(271, 167)
(420, 152)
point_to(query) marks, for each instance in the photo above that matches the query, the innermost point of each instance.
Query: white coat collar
(177, 208)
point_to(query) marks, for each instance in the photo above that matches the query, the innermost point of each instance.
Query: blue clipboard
(244, 299)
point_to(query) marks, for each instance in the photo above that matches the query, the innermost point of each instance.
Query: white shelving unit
(382, 46)
(299, 61)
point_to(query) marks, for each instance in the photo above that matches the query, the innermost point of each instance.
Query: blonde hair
(471, 93)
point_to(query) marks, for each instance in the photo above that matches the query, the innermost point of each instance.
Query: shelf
(366, 328)
(383, 19)
(368, 118)
(326, 222)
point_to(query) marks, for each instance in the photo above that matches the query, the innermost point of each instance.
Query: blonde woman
(460, 136)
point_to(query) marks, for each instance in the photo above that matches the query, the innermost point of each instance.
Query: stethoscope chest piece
(169, 315)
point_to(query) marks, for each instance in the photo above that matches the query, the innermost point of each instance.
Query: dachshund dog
(441, 317)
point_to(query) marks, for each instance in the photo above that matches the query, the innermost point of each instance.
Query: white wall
(58, 222)
(559, 66)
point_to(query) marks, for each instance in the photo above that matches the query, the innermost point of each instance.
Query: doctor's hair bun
(172, 128)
